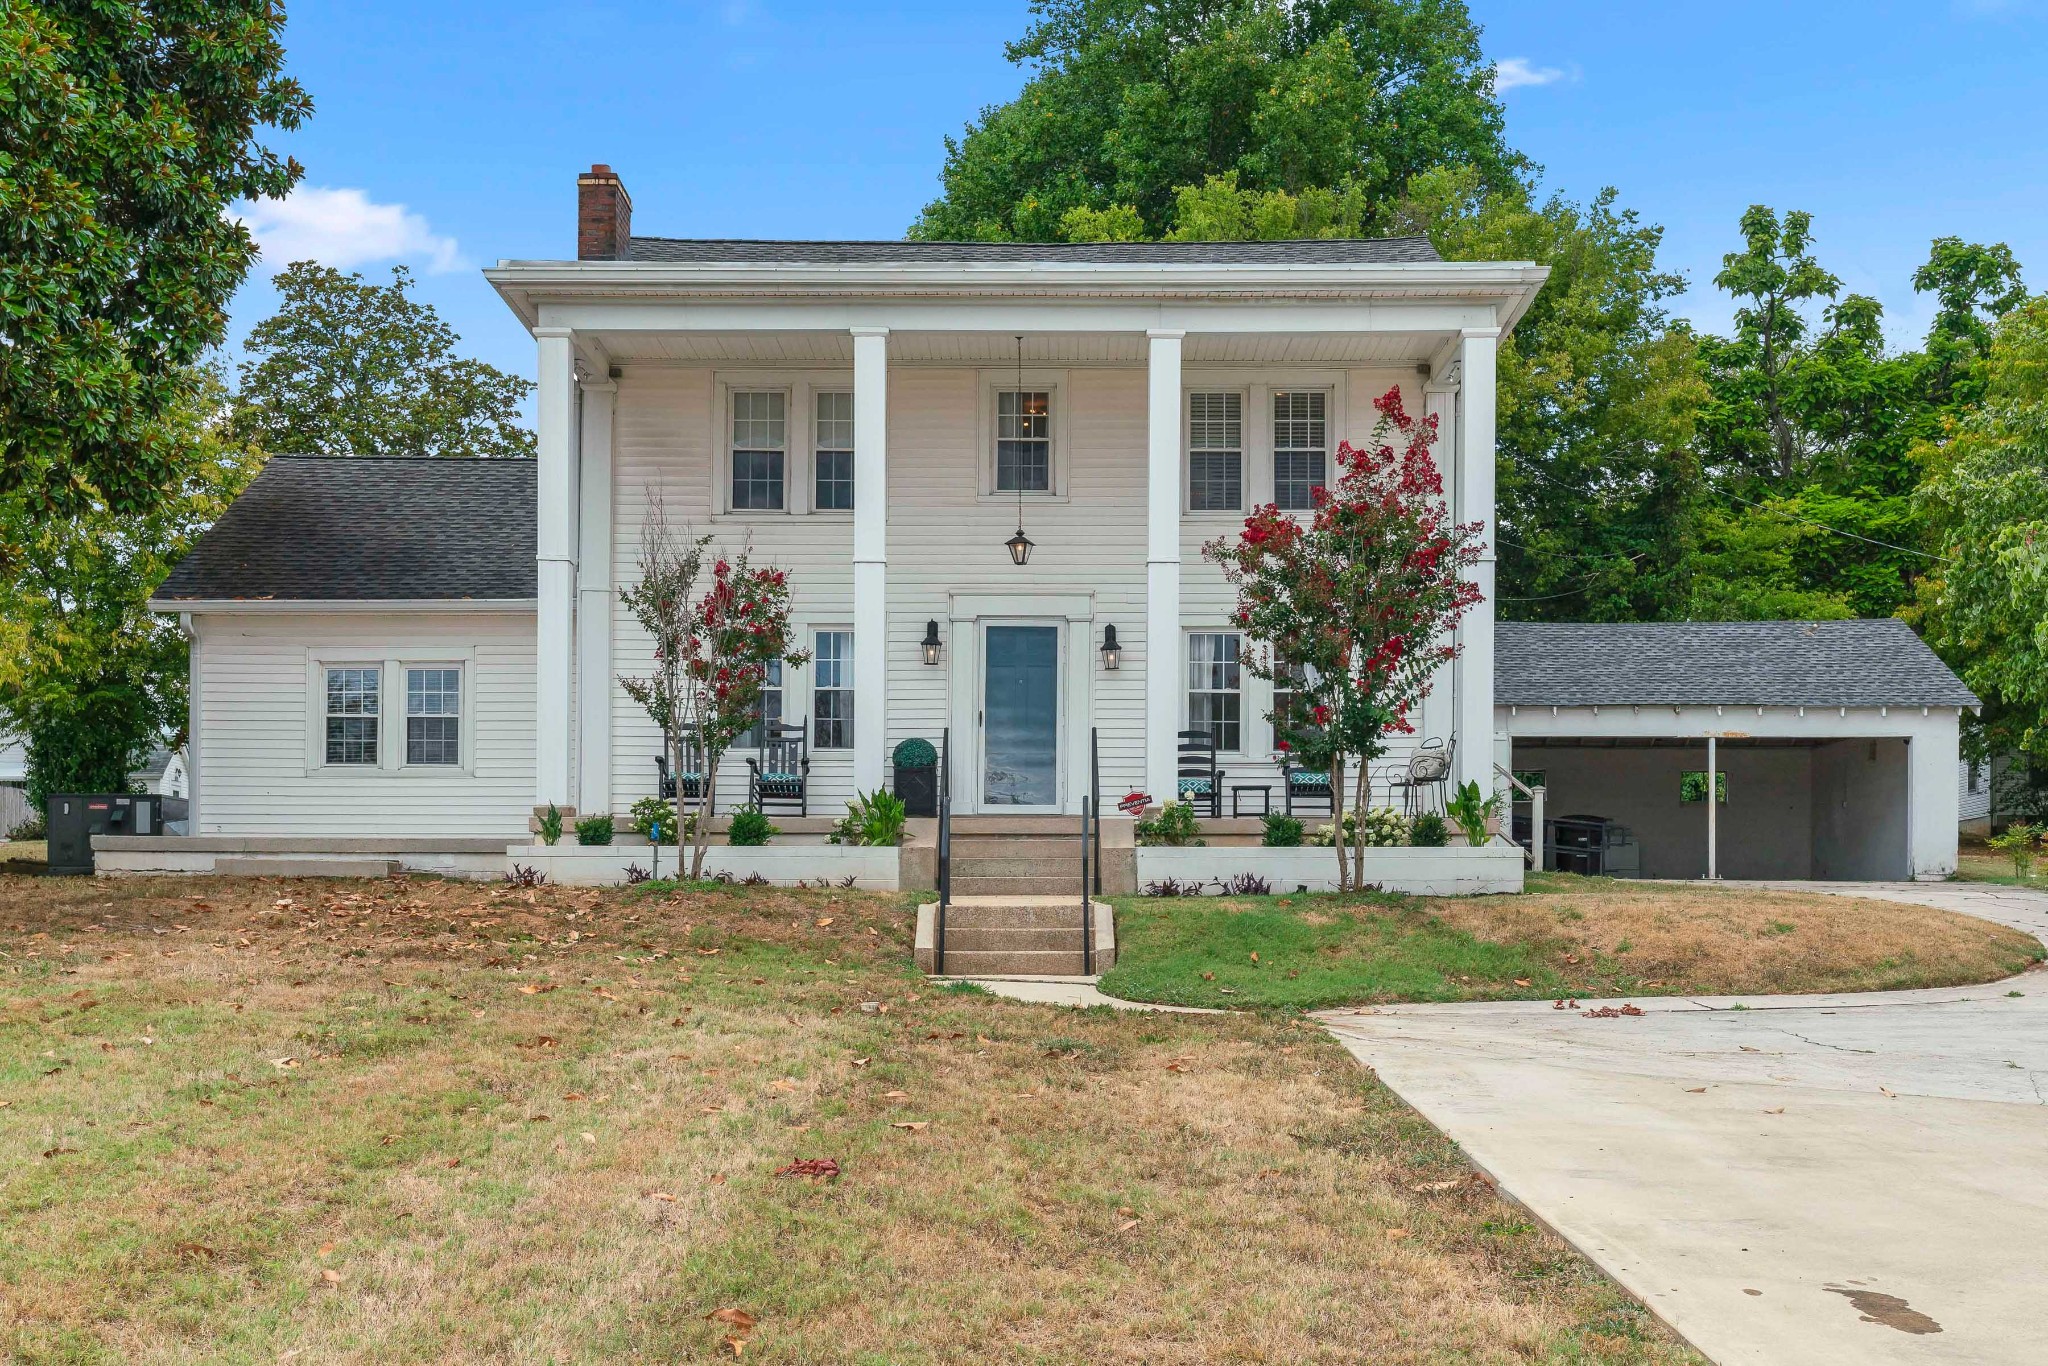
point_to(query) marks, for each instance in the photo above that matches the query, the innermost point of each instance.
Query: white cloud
(1516, 72)
(343, 228)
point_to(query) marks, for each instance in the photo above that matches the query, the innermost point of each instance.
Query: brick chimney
(604, 216)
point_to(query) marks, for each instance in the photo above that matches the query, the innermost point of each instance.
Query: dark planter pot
(919, 790)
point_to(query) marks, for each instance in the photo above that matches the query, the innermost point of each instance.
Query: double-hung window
(352, 714)
(833, 454)
(433, 716)
(770, 711)
(1290, 716)
(832, 698)
(1216, 688)
(760, 444)
(1301, 450)
(1023, 441)
(1215, 452)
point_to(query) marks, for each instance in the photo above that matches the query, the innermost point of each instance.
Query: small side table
(1265, 791)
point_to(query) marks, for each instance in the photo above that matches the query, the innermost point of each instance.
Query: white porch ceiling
(1040, 349)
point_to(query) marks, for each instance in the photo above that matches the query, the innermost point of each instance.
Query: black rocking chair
(1308, 790)
(1201, 782)
(780, 775)
(693, 774)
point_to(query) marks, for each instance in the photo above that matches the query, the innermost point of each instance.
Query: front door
(1020, 745)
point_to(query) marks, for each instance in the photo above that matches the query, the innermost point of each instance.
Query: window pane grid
(1300, 448)
(759, 439)
(351, 732)
(1214, 688)
(771, 707)
(1215, 452)
(1023, 441)
(834, 450)
(433, 716)
(833, 699)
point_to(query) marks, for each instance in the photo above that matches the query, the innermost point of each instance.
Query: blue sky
(448, 136)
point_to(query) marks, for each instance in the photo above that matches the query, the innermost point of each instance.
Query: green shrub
(750, 827)
(594, 829)
(551, 825)
(2017, 843)
(648, 810)
(1471, 810)
(1429, 831)
(916, 754)
(30, 830)
(1174, 827)
(872, 818)
(1282, 831)
(1385, 828)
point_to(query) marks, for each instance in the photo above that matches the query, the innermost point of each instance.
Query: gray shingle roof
(1308, 252)
(328, 529)
(1872, 663)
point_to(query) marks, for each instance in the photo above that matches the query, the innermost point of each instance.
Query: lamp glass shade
(930, 643)
(1112, 653)
(1020, 548)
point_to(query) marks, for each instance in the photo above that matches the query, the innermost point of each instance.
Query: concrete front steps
(1017, 856)
(1015, 936)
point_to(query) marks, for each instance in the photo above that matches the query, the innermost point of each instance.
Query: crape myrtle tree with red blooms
(1351, 608)
(712, 648)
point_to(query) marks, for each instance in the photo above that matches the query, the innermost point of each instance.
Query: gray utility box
(75, 817)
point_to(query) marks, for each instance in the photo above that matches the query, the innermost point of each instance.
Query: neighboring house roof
(315, 528)
(1306, 252)
(1871, 663)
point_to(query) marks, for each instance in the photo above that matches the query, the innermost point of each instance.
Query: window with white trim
(1023, 441)
(352, 714)
(760, 445)
(1289, 717)
(832, 690)
(833, 454)
(1216, 687)
(433, 715)
(1301, 447)
(770, 712)
(1215, 452)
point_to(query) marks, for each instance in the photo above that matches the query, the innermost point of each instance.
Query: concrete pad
(1822, 1179)
(1077, 992)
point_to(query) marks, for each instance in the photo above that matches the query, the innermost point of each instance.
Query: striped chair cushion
(781, 780)
(1194, 787)
(1301, 779)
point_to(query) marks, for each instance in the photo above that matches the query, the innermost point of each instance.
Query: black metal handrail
(945, 850)
(1091, 844)
(1095, 792)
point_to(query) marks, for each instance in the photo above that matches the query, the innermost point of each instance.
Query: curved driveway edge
(1793, 1179)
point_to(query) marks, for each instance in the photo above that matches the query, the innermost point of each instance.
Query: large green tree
(1132, 101)
(347, 366)
(127, 128)
(88, 674)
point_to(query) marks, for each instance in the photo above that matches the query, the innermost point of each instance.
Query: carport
(1835, 743)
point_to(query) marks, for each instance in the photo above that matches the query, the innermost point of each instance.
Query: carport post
(1713, 815)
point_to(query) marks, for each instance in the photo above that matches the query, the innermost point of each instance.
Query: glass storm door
(1021, 717)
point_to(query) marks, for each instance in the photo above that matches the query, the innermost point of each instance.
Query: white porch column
(870, 554)
(1713, 812)
(554, 659)
(1162, 565)
(1440, 398)
(594, 599)
(1475, 504)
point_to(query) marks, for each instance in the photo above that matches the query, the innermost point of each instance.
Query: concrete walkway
(1817, 1179)
(1076, 992)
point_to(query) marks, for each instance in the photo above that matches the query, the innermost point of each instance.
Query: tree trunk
(1358, 841)
(1337, 815)
(700, 833)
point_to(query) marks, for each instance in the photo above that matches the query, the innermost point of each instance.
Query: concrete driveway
(1789, 1179)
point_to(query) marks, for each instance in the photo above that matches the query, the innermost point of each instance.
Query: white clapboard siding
(944, 538)
(257, 702)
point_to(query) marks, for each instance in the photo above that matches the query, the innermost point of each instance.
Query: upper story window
(834, 454)
(1023, 441)
(1215, 452)
(352, 714)
(760, 445)
(1301, 449)
(433, 716)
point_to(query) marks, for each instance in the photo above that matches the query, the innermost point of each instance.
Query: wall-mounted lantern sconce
(930, 643)
(1112, 653)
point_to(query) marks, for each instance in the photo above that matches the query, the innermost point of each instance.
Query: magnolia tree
(1351, 608)
(715, 634)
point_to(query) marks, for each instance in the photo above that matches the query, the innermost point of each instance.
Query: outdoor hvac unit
(75, 817)
(1594, 846)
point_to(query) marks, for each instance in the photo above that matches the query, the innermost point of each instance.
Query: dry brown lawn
(1743, 941)
(424, 1121)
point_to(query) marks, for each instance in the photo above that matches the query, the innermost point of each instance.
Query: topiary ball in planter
(917, 777)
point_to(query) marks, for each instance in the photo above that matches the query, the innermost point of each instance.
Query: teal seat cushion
(1195, 787)
(1314, 782)
(781, 779)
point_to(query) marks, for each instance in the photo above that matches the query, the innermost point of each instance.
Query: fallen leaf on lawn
(916, 1126)
(538, 1119)
(326, 1250)
(1523, 982)
(197, 1250)
(711, 1109)
(572, 1095)
(1892, 1094)
(822, 921)
(536, 988)
(1397, 1233)
(58, 1151)
(895, 1095)
(454, 1162)
(706, 953)
(601, 992)
(1696, 1090)
(1208, 976)
(1432, 1186)
(1747, 1049)
(811, 1168)
(587, 1136)
(739, 1320)
(1255, 956)
(1779, 1111)
(1126, 1226)
(1179, 1065)
(662, 1196)
(540, 1041)
(862, 1062)
(5, 1103)
(283, 1063)
(1228, 991)
(331, 1276)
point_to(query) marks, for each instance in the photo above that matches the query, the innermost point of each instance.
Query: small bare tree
(715, 633)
